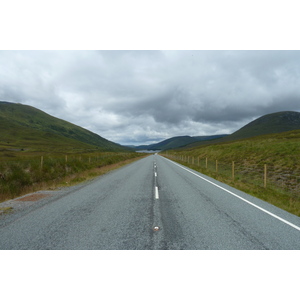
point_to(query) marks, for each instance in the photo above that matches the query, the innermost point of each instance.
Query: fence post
(193, 160)
(66, 158)
(216, 165)
(233, 170)
(206, 162)
(265, 176)
(42, 162)
(198, 161)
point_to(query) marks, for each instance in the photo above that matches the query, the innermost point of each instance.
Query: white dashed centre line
(156, 193)
(155, 182)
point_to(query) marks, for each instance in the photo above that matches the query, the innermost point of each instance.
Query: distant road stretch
(153, 203)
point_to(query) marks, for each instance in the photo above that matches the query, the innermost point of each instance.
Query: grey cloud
(148, 95)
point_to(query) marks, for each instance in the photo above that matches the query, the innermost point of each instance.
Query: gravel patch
(23, 202)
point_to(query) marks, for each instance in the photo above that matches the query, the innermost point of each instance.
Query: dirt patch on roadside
(21, 203)
(33, 197)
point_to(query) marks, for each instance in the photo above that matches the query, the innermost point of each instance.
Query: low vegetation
(31, 173)
(5, 210)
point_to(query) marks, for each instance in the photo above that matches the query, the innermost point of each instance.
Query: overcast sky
(137, 97)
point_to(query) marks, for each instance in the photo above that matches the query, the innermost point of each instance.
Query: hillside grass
(16, 142)
(23, 127)
(279, 152)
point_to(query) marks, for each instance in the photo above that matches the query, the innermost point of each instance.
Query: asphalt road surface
(153, 203)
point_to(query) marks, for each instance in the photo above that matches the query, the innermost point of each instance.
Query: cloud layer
(137, 97)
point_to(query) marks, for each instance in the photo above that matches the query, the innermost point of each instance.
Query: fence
(262, 175)
(16, 175)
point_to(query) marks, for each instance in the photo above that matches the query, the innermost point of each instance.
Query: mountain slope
(26, 125)
(176, 142)
(267, 124)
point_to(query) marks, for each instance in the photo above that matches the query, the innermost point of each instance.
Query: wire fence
(263, 175)
(16, 175)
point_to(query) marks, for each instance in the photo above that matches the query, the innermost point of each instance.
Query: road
(151, 204)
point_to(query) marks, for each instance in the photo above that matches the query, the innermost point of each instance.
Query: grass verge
(23, 177)
(92, 173)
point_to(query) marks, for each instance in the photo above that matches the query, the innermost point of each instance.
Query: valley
(38, 150)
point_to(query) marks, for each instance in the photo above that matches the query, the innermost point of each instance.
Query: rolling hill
(27, 128)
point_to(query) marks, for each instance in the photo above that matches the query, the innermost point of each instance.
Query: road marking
(156, 193)
(155, 174)
(258, 207)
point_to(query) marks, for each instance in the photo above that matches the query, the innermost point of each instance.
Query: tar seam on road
(258, 207)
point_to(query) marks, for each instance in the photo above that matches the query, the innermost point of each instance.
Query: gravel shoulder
(12, 209)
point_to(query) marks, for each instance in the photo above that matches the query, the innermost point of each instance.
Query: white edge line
(156, 193)
(258, 207)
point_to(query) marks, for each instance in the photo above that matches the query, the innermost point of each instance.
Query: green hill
(267, 124)
(23, 127)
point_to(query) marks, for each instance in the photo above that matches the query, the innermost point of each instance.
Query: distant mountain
(27, 127)
(176, 142)
(267, 124)
(270, 123)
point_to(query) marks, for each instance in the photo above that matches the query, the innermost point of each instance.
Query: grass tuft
(5, 210)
